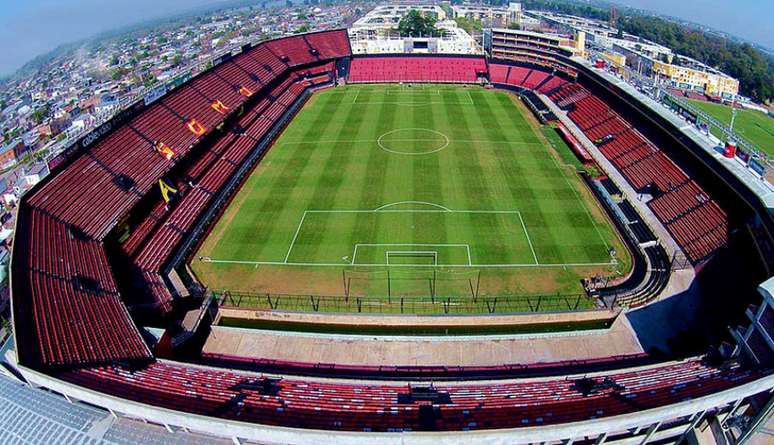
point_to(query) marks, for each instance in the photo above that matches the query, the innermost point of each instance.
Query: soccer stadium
(301, 244)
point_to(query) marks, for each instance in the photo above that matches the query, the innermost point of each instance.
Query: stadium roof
(33, 416)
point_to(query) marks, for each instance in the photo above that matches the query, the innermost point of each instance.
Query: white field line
(397, 94)
(412, 104)
(577, 196)
(384, 209)
(292, 243)
(529, 240)
(415, 202)
(365, 141)
(353, 262)
(504, 265)
(510, 212)
(408, 92)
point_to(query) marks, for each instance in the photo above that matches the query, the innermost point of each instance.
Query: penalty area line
(529, 240)
(298, 229)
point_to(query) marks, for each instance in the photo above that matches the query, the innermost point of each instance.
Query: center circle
(413, 141)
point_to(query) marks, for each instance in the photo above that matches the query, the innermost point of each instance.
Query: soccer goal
(395, 281)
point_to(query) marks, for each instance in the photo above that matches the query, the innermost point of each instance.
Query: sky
(748, 19)
(29, 28)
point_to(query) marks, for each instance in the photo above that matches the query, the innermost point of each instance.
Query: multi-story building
(688, 74)
(373, 34)
(533, 47)
(649, 58)
(382, 20)
(9, 152)
(455, 41)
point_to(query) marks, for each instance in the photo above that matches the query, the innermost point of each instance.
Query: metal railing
(448, 305)
(713, 123)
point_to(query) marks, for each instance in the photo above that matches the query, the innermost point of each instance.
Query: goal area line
(422, 249)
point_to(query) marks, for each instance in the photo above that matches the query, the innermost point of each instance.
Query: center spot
(413, 141)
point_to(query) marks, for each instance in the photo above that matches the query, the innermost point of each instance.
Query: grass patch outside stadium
(392, 190)
(753, 125)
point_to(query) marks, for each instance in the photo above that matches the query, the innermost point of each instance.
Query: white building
(455, 41)
(381, 20)
(373, 33)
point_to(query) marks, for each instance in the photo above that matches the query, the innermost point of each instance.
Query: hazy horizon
(746, 19)
(46, 24)
(55, 23)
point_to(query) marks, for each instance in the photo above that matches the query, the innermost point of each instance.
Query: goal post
(410, 281)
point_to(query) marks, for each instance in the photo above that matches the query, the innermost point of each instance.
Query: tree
(471, 26)
(414, 24)
(39, 114)
(149, 80)
(753, 69)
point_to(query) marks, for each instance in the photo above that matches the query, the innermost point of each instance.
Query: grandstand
(103, 244)
(417, 69)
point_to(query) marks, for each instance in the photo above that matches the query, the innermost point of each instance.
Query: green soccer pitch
(753, 125)
(376, 177)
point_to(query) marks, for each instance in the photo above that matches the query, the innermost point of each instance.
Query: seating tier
(65, 299)
(417, 69)
(698, 224)
(352, 406)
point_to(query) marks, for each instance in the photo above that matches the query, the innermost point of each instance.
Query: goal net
(403, 280)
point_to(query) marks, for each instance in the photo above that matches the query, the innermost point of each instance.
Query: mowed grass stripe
(503, 159)
(523, 182)
(331, 174)
(371, 195)
(500, 158)
(426, 178)
(473, 183)
(262, 213)
(570, 222)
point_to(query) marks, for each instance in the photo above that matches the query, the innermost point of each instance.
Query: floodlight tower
(730, 150)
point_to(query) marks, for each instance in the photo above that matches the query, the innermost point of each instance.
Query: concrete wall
(639, 425)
